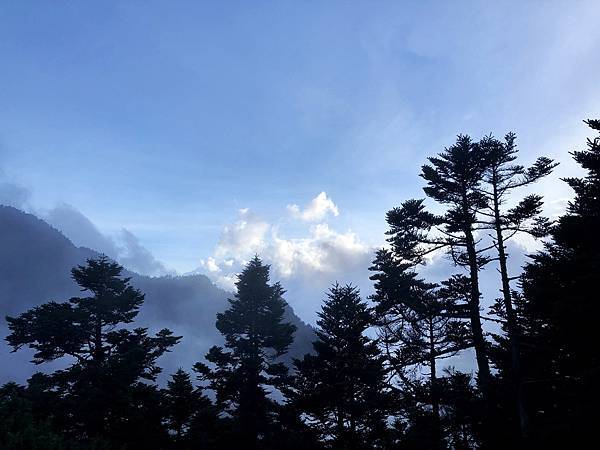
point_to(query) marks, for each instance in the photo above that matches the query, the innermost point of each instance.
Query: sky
(188, 136)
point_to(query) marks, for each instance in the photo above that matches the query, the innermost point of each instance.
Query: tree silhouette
(109, 361)
(189, 414)
(340, 389)
(417, 322)
(255, 336)
(453, 179)
(21, 427)
(559, 287)
(502, 176)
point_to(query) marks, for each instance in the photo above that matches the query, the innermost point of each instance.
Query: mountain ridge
(35, 264)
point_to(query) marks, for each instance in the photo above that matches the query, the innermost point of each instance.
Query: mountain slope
(35, 265)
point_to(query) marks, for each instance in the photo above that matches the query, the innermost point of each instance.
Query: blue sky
(196, 125)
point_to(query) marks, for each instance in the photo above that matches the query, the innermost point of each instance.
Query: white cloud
(322, 251)
(244, 238)
(210, 264)
(316, 210)
(226, 282)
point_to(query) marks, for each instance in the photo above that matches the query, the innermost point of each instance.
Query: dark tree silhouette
(454, 178)
(21, 426)
(559, 288)
(180, 402)
(417, 322)
(502, 176)
(255, 336)
(109, 361)
(340, 390)
(190, 415)
(462, 410)
(353, 392)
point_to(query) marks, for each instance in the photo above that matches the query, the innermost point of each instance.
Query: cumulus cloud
(226, 282)
(210, 264)
(316, 210)
(321, 252)
(243, 238)
(306, 264)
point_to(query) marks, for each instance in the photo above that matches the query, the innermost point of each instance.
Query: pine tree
(453, 179)
(340, 390)
(255, 336)
(502, 177)
(180, 404)
(417, 322)
(189, 414)
(559, 288)
(110, 361)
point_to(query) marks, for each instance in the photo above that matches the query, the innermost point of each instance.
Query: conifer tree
(110, 361)
(340, 390)
(255, 336)
(502, 177)
(417, 321)
(559, 288)
(453, 179)
(180, 401)
(189, 414)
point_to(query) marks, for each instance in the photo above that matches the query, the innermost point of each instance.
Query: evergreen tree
(189, 414)
(180, 403)
(454, 178)
(255, 337)
(559, 291)
(462, 411)
(98, 389)
(417, 321)
(340, 390)
(502, 177)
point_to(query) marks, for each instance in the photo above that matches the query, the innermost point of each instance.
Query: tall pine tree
(255, 337)
(453, 179)
(417, 322)
(502, 176)
(340, 390)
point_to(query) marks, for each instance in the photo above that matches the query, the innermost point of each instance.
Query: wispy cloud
(12, 193)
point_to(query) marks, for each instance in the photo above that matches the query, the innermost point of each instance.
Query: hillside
(35, 264)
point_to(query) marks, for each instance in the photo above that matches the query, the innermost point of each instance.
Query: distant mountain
(35, 267)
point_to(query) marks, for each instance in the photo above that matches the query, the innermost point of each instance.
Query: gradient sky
(196, 125)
